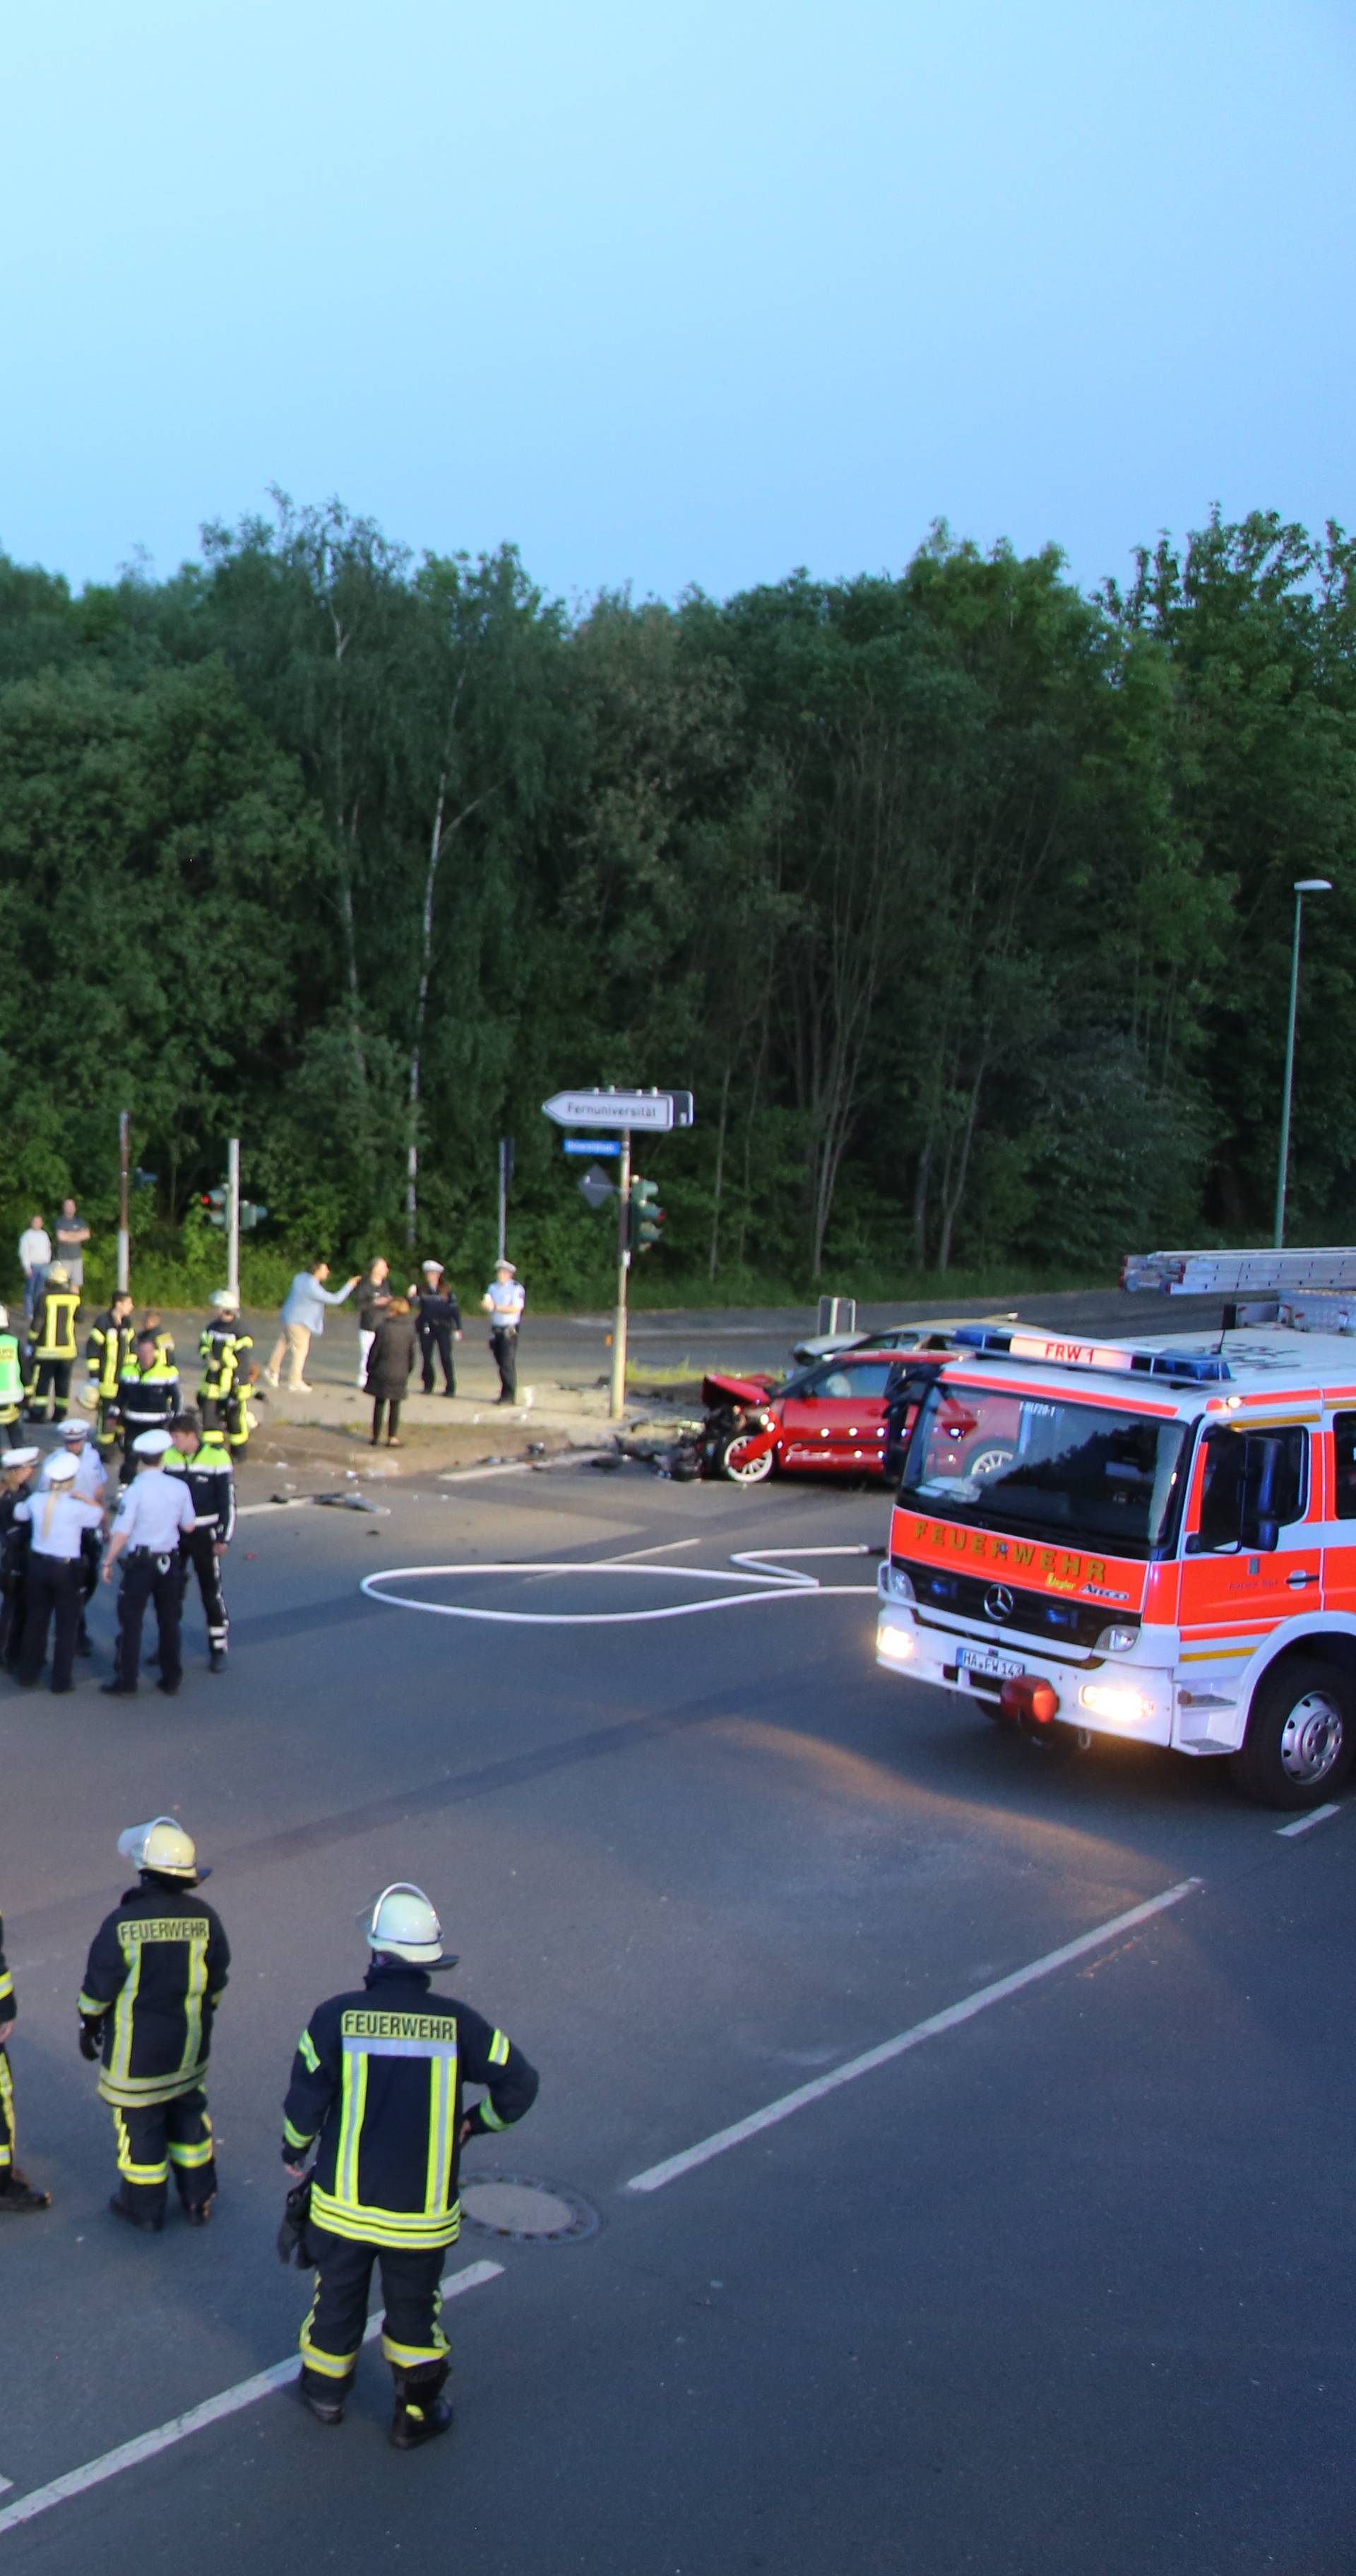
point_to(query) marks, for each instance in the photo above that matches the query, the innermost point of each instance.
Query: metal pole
(124, 1219)
(501, 1254)
(233, 1213)
(1283, 1167)
(617, 1401)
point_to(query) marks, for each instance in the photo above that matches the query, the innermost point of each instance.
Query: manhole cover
(535, 2213)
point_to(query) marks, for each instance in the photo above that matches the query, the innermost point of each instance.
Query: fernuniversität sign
(655, 1111)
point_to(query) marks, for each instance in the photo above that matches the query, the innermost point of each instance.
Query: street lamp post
(1303, 886)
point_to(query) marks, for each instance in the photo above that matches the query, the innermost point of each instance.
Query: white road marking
(1302, 1823)
(129, 2455)
(773, 1584)
(655, 2176)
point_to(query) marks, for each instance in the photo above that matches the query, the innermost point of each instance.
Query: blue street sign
(592, 1144)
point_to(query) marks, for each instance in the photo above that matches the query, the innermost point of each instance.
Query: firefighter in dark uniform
(203, 1460)
(12, 1392)
(376, 2091)
(227, 1372)
(16, 1479)
(18, 2199)
(148, 1395)
(108, 1350)
(53, 1346)
(156, 1973)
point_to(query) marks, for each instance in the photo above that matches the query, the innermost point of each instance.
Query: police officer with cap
(376, 2096)
(204, 1461)
(16, 1478)
(152, 1517)
(90, 1486)
(156, 1973)
(58, 1523)
(503, 1301)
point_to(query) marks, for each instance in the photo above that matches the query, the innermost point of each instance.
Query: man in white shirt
(59, 1523)
(503, 1302)
(35, 1253)
(152, 1517)
(90, 1485)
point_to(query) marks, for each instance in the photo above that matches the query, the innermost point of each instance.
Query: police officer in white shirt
(91, 1486)
(154, 1512)
(58, 1522)
(503, 1302)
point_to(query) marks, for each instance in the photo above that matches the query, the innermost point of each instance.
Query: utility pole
(124, 1213)
(617, 1400)
(233, 1213)
(505, 1176)
(1303, 886)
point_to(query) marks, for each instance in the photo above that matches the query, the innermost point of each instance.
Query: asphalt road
(1063, 2288)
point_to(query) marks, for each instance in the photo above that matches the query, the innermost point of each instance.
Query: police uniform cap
(152, 1444)
(20, 1457)
(73, 1431)
(430, 1265)
(60, 1469)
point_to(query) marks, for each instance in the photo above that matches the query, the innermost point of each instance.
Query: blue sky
(675, 294)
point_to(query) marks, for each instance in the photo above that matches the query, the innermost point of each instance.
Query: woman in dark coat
(389, 1363)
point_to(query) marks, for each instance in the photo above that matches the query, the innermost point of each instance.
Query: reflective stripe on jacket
(54, 1324)
(156, 1973)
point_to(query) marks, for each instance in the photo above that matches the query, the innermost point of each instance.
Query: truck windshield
(1046, 1469)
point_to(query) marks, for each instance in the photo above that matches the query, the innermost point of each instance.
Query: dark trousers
(504, 1345)
(9, 1428)
(379, 1407)
(435, 1341)
(148, 1578)
(412, 2338)
(52, 1593)
(198, 1554)
(13, 1615)
(156, 2136)
(6, 2120)
(52, 1377)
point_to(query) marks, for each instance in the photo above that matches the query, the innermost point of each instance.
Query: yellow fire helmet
(163, 1846)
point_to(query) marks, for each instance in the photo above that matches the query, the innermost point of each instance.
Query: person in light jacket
(35, 1253)
(303, 1317)
(388, 1369)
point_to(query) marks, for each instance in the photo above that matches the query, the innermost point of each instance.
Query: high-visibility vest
(54, 1335)
(11, 1375)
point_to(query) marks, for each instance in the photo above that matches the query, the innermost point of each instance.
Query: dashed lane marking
(655, 2176)
(1316, 1816)
(129, 2455)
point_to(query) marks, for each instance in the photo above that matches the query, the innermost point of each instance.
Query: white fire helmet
(402, 1924)
(226, 1301)
(163, 1846)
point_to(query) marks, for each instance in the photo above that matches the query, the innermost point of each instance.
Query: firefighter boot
(216, 1659)
(323, 2398)
(421, 2411)
(18, 2199)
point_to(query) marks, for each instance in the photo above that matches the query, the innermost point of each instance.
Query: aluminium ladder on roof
(1249, 1274)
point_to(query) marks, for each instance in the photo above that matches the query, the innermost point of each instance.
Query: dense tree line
(960, 899)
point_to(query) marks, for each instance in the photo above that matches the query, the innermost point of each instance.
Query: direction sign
(656, 1111)
(596, 1186)
(591, 1144)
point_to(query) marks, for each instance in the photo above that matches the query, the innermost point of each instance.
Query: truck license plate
(989, 1667)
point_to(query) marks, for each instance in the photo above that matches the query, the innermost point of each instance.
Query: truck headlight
(895, 1641)
(1116, 1700)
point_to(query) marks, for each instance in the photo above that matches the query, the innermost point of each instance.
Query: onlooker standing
(388, 1369)
(72, 1235)
(35, 1253)
(439, 1326)
(503, 1302)
(374, 1298)
(303, 1319)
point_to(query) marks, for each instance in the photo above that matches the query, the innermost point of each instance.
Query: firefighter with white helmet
(54, 1346)
(156, 1973)
(228, 1371)
(376, 2100)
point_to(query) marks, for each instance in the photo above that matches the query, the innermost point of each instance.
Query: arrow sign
(591, 1144)
(596, 1186)
(656, 1111)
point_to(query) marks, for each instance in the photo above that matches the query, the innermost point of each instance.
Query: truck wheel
(746, 1471)
(1301, 1736)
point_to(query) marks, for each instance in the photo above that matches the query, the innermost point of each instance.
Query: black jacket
(155, 1976)
(391, 1358)
(377, 2089)
(374, 1297)
(439, 1309)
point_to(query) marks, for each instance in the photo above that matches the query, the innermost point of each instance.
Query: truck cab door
(1253, 1553)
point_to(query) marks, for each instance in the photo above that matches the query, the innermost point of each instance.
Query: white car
(934, 1334)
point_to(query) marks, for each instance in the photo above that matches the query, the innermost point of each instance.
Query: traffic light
(251, 1215)
(215, 1203)
(646, 1219)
